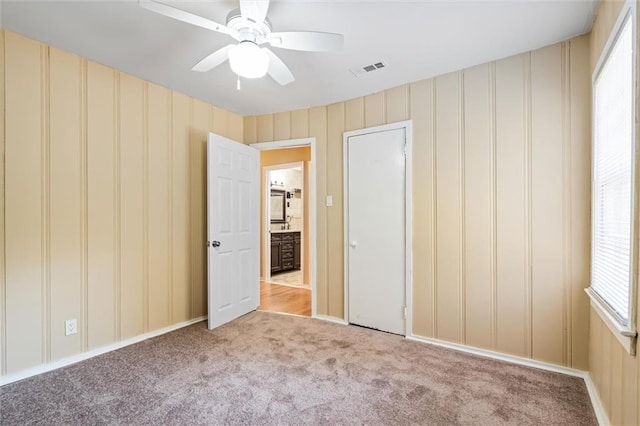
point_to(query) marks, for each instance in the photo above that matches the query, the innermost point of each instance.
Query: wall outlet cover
(70, 327)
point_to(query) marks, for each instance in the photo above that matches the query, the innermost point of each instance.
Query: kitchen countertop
(281, 231)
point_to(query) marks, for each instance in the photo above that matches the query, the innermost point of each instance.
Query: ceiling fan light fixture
(248, 60)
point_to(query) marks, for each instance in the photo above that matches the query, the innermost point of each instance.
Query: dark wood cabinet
(285, 251)
(276, 257)
(296, 251)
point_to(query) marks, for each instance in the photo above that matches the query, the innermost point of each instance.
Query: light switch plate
(329, 200)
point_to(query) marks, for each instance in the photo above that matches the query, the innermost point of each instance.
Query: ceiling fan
(250, 26)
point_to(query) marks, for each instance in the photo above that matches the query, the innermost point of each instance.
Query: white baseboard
(500, 356)
(601, 413)
(598, 408)
(34, 371)
(331, 319)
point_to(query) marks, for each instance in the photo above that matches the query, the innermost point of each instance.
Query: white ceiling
(417, 39)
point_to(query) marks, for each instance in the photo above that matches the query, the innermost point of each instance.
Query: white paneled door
(376, 205)
(233, 239)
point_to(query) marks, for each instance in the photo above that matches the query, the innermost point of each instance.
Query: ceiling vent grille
(361, 71)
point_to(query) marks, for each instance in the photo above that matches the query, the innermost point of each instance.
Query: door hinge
(404, 313)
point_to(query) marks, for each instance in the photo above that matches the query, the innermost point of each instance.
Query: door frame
(408, 274)
(299, 143)
(266, 215)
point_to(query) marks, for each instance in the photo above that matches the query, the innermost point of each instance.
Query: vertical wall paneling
(282, 126)
(494, 217)
(84, 329)
(159, 207)
(145, 206)
(616, 385)
(580, 196)
(318, 129)
(630, 391)
(396, 104)
(567, 252)
(374, 110)
(235, 126)
(264, 132)
(105, 204)
(24, 219)
(45, 185)
(511, 205)
(132, 202)
(181, 209)
(117, 169)
(200, 122)
(354, 114)
(448, 208)
(547, 205)
(423, 206)
(101, 208)
(462, 199)
(528, 342)
(3, 306)
(300, 124)
(335, 236)
(220, 121)
(594, 342)
(250, 129)
(605, 366)
(66, 201)
(478, 203)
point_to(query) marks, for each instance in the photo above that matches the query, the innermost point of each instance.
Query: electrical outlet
(70, 327)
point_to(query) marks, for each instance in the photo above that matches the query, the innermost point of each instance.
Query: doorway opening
(287, 260)
(286, 195)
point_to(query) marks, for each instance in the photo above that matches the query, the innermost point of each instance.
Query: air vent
(361, 71)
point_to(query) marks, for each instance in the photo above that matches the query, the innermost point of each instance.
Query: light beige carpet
(267, 368)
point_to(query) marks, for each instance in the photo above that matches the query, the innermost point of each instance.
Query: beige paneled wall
(2, 205)
(615, 373)
(105, 214)
(500, 199)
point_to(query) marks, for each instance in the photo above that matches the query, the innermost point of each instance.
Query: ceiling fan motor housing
(248, 30)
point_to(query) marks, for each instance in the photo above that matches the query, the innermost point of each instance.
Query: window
(614, 157)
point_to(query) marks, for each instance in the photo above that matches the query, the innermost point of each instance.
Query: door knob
(215, 243)
(354, 244)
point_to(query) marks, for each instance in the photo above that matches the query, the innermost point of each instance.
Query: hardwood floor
(280, 298)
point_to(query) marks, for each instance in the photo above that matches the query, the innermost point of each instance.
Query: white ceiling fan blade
(278, 70)
(255, 10)
(213, 60)
(306, 40)
(187, 17)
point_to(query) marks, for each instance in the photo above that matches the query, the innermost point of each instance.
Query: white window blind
(612, 177)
